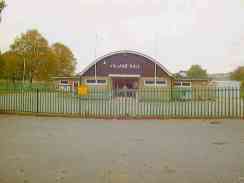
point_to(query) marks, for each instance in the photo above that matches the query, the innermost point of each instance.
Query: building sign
(125, 66)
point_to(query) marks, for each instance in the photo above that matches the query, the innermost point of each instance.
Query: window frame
(178, 84)
(96, 82)
(153, 82)
(149, 84)
(181, 84)
(64, 81)
(186, 85)
(161, 85)
(105, 83)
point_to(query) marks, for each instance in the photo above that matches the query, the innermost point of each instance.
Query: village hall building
(127, 70)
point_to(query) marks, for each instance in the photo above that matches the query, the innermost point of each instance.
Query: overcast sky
(177, 33)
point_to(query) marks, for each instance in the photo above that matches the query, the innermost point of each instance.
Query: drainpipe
(96, 72)
(155, 75)
(171, 88)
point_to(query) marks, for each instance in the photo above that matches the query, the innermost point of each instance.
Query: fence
(141, 103)
(27, 86)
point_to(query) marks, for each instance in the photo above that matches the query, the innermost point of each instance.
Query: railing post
(79, 105)
(37, 100)
(241, 103)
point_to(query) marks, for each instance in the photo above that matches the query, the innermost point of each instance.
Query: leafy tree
(11, 66)
(48, 66)
(66, 60)
(196, 71)
(34, 51)
(1, 66)
(31, 58)
(238, 74)
(2, 6)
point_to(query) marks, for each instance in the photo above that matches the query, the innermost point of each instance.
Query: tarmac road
(72, 150)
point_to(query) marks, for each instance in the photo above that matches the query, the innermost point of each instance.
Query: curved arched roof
(125, 52)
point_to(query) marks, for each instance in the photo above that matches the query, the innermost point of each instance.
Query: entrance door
(125, 87)
(123, 83)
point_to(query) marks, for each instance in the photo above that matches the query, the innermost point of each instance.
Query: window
(96, 82)
(101, 81)
(152, 83)
(178, 83)
(149, 82)
(182, 84)
(161, 83)
(90, 81)
(64, 82)
(186, 84)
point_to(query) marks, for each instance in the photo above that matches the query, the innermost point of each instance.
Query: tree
(11, 66)
(196, 71)
(31, 58)
(2, 6)
(1, 66)
(48, 66)
(238, 74)
(34, 51)
(65, 59)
